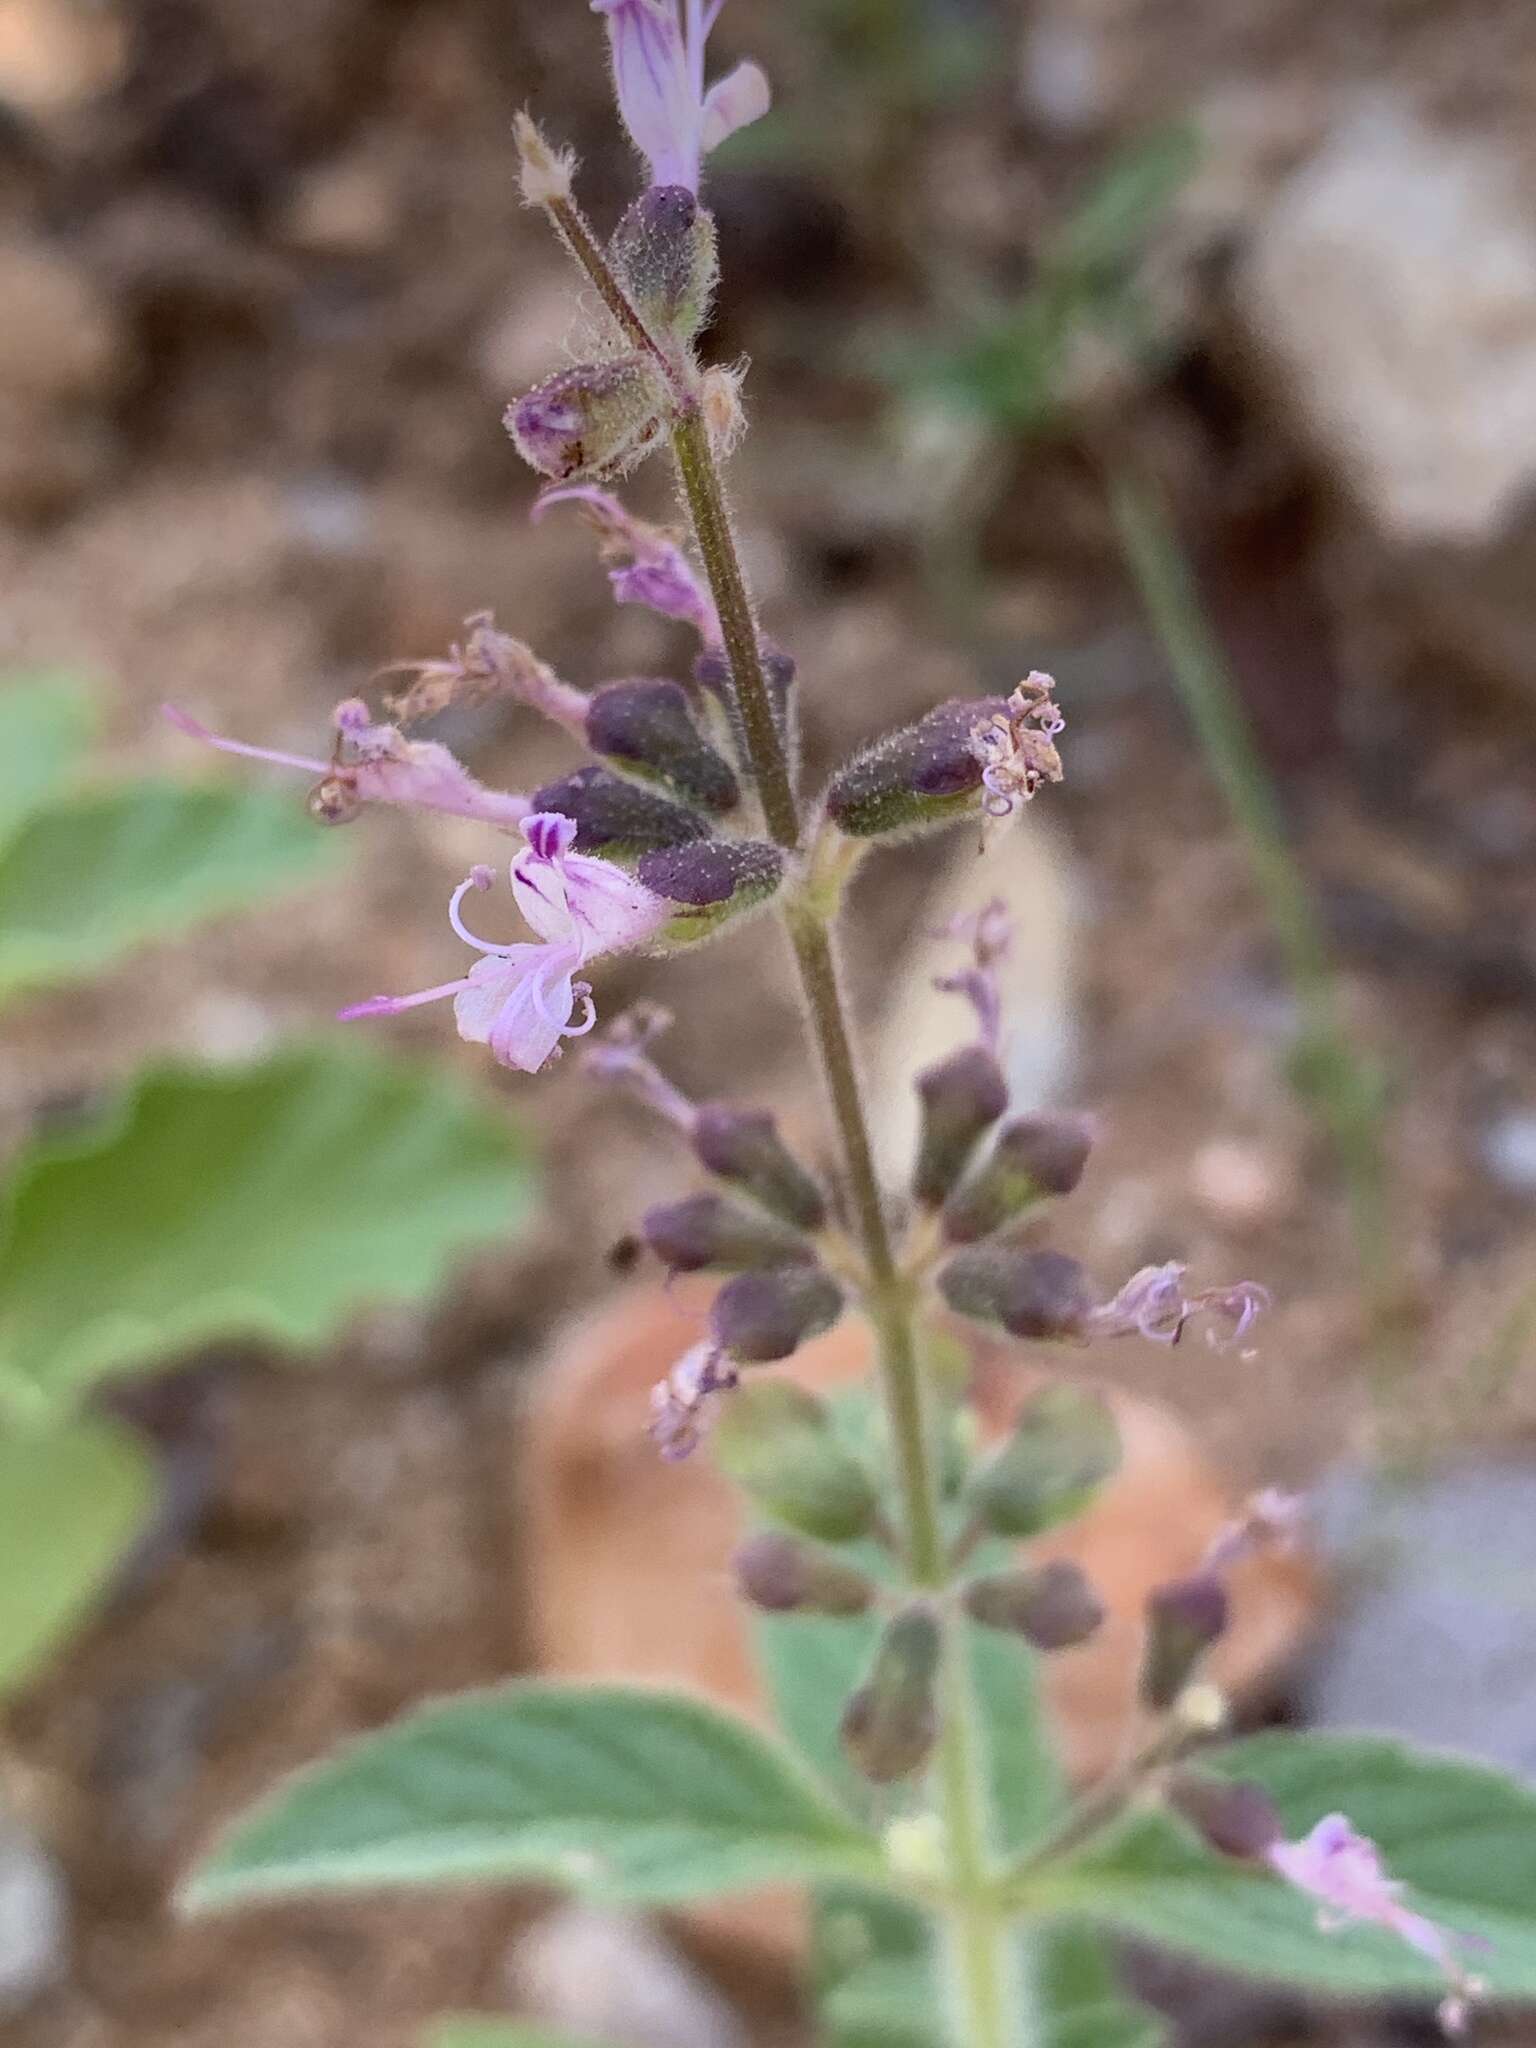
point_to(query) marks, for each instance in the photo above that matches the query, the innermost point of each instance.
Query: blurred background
(1188, 352)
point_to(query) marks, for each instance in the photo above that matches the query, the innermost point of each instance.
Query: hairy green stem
(988, 1996)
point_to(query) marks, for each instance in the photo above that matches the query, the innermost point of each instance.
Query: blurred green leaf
(71, 1500)
(46, 721)
(88, 877)
(1461, 1838)
(481, 2030)
(1107, 231)
(616, 1793)
(271, 1200)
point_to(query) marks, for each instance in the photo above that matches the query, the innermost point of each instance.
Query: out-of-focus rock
(1242, 1185)
(1508, 1148)
(1392, 284)
(1431, 1635)
(609, 1976)
(626, 1556)
(34, 1918)
(349, 206)
(59, 340)
(56, 55)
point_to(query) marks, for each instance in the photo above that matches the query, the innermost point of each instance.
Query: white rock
(1393, 282)
(34, 1919)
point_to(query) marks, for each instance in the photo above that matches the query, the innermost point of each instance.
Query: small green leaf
(481, 2030)
(71, 1501)
(619, 1794)
(87, 878)
(271, 1200)
(1460, 1836)
(45, 725)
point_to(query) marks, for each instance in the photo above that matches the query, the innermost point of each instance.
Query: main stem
(988, 1997)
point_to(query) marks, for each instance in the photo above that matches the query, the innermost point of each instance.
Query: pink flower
(654, 571)
(520, 999)
(1344, 1873)
(679, 1415)
(1154, 1305)
(657, 48)
(376, 764)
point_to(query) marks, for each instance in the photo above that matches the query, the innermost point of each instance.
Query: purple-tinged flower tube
(1154, 1305)
(652, 569)
(520, 999)
(657, 48)
(1344, 1873)
(376, 764)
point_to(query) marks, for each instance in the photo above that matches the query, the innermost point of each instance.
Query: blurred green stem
(1329, 1073)
(989, 1998)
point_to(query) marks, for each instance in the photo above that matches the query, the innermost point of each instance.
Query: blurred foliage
(89, 871)
(270, 1200)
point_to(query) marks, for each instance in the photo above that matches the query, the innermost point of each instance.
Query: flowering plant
(962, 1889)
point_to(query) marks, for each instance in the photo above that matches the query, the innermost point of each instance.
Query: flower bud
(778, 1442)
(710, 882)
(590, 421)
(712, 672)
(744, 1146)
(927, 774)
(762, 1316)
(1053, 1607)
(1184, 1618)
(1035, 1156)
(663, 253)
(710, 1230)
(647, 726)
(1039, 1294)
(961, 1097)
(1063, 1447)
(1233, 1817)
(891, 1723)
(616, 817)
(781, 1575)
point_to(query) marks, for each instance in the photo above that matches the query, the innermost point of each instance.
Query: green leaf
(45, 725)
(71, 1501)
(481, 2030)
(87, 878)
(1080, 1995)
(1461, 1836)
(620, 1794)
(272, 1200)
(1109, 229)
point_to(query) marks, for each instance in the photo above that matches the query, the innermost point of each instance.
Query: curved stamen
(477, 878)
(585, 996)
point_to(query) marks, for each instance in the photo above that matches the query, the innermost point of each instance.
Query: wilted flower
(1344, 1873)
(652, 569)
(488, 664)
(1268, 1520)
(658, 73)
(678, 1412)
(519, 999)
(1154, 1305)
(988, 933)
(377, 764)
(1017, 746)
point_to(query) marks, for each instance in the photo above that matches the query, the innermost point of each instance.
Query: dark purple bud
(743, 1146)
(961, 1097)
(1034, 1157)
(711, 1230)
(1233, 1817)
(615, 817)
(779, 1442)
(1040, 1294)
(1063, 1447)
(927, 774)
(711, 882)
(784, 1576)
(891, 1723)
(712, 672)
(646, 725)
(762, 1316)
(1053, 1607)
(1184, 1618)
(663, 252)
(592, 420)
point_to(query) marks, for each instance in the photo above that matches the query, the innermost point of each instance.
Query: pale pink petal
(610, 909)
(651, 76)
(489, 984)
(520, 1006)
(732, 102)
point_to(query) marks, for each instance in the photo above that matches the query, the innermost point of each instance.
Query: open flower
(520, 999)
(1344, 1873)
(658, 74)
(376, 764)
